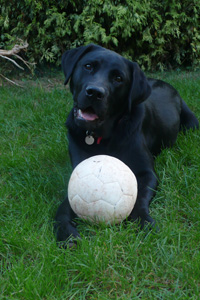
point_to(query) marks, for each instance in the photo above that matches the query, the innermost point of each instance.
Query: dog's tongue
(87, 115)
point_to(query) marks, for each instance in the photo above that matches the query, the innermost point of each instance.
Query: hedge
(156, 34)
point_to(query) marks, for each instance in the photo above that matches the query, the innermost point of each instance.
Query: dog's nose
(94, 92)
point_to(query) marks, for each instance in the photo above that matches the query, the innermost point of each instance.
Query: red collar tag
(99, 140)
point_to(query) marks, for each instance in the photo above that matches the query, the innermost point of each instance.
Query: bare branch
(28, 64)
(13, 61)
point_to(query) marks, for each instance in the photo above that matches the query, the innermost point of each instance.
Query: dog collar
(90, 139)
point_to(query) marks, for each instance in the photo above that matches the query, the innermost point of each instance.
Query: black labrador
(119, 112)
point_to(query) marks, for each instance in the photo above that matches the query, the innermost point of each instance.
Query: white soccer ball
(102, 188)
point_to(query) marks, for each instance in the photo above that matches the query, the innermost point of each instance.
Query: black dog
(119, 112)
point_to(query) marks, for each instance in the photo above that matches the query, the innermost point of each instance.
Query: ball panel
(106, 167)
(84, 169)
(89, 187)
(96, 211)
(101, 210)
(111, 192)
(129, 185)
(78, 205)
(124, 206)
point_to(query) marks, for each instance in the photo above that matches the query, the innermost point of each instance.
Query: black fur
(134, 116)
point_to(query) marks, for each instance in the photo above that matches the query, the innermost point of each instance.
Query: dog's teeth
(86, 115)
(80, 113)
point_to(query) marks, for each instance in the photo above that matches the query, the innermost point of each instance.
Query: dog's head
(104, 85)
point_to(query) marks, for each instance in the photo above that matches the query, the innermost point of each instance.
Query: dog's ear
(71, 57)
(140, 88)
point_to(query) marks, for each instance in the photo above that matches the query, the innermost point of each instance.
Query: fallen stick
(11, 81)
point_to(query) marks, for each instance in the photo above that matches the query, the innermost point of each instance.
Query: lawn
(115, 262)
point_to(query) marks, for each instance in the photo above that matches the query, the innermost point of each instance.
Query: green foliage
(157, 34)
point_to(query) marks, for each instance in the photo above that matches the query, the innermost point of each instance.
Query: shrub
(157, 34)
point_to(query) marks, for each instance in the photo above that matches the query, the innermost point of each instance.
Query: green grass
(111, 262)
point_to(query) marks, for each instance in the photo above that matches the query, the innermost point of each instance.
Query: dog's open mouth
(87, 114)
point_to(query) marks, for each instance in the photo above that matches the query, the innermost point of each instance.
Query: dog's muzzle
(95, 93)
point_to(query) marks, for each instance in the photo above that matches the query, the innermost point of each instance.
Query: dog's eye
(118, 79)
(88, 67)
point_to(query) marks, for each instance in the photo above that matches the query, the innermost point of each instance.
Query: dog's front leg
(65, 227)
(147, 184)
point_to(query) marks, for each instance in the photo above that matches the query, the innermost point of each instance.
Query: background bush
(156, 34)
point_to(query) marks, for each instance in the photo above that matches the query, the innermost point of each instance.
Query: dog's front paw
(66, 234)
(144, 220)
